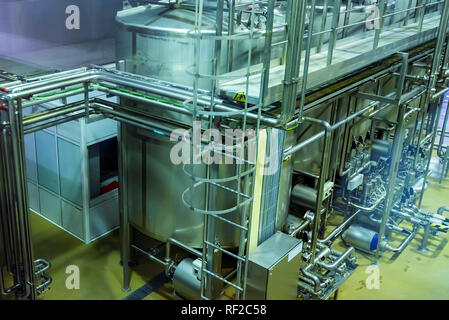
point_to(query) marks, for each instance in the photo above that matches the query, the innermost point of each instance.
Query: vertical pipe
(442, 31)
(407, 14)
(435, 71)
(446, 57)
(402, 75)
(418, 10)
(382, 5)
(422, 14)
(230, 43)
(445, 165)
(426, 172)
(123, 205)
(425, 239)
(392, 173)
(85, 178)
(218, 43)
(134, 51)
(421, 128)
(9, 202)
(307, 59)
(86, 98)
(267, 51)
(296, 21)
(347, 18)
(322, 180)
(245, 215)
(443, 130)
(323, 26)
(209, 230)
(244, 247)
(396, 153)
(17, 143)
(333, 35)
(125, 247)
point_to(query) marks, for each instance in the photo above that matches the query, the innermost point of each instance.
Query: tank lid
(160, 20)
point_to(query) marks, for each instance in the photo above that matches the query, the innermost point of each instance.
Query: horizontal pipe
(338, 229)
(332, 128)
(410, 95)
(52, 113)
(440, 93)
(363, 168)
(404, 243)
(91, 75)
(149, 255)
(125, 116)
(370, 208)
(53, 123)
(165, 106)
(338, 262)
(69, 78)
(185, 247)
(94, 76)
(52, 98)
(51, 86)
(304, 225)
(43, 80)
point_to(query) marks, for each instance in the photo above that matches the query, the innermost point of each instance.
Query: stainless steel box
(273, 269)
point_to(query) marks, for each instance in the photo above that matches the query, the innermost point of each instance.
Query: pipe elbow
(314, 278)
(442, 209)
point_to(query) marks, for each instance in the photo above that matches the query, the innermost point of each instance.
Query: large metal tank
(156, 41)
(153, 41)
(155, 186)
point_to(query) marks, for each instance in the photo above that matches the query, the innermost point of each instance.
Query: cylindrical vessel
(380, 148)
(157, 41)
(361, 238)
(304, 196)
(185, 280)
(155, 186)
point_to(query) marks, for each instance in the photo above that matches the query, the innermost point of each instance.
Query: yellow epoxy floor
(98, 262)
(412, 275)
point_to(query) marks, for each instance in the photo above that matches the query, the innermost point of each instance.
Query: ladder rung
(248, 198)
(279, 43)
(223, 280)
(225, 251)
(238, 160)
(230, 222)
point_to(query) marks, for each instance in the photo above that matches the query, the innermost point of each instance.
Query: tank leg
(125, 227)
(126, 256)
(426, 233)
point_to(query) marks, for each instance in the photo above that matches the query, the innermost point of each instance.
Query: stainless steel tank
(153, 40)
(156, 41)
(155, 186)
